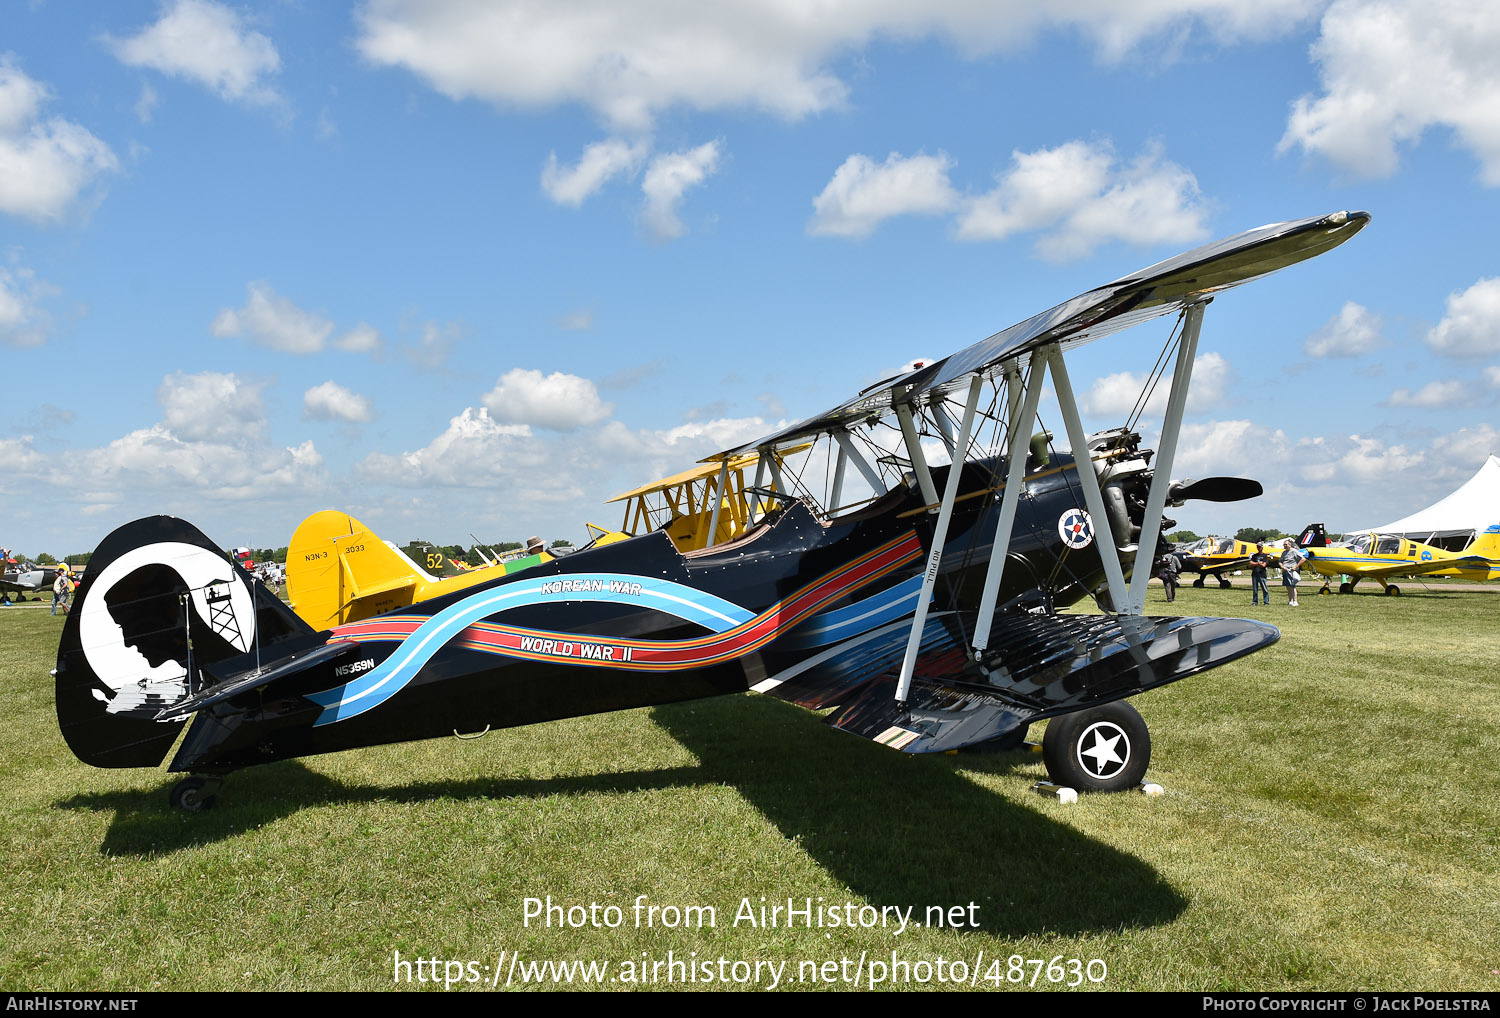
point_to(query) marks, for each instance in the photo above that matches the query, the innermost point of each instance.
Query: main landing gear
(1105, 749)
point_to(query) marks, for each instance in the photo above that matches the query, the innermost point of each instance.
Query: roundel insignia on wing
(1076, 528)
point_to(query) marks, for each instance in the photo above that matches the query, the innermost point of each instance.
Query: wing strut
(723, 490)
(1023, 409)
(940, 531)
(870, 474)
(1088, 479)
(915, 454)
(1166, 450)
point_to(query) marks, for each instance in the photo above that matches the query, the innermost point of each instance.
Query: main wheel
(1346, 587)
(1393, 591)
(1105, 749)
(1200, 581)
(194, 794)
(1224, 583)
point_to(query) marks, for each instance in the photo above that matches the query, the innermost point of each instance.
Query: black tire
(1224, 583)
(1106, 749)
(1346, 587)
(1393, 591)
(194, 794)
(1200, 582)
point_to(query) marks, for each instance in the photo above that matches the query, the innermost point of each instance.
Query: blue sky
(461, 267)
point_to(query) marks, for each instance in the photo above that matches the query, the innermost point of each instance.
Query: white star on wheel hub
(1101, 739)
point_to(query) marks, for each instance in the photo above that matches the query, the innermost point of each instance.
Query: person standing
(1259, 563)
(1291, 565)
(61, 588)
(1170, 567)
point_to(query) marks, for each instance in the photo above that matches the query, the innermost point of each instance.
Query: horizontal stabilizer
(1037, 666)
(239, 682)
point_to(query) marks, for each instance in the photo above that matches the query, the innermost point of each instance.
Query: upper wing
(1153, 291)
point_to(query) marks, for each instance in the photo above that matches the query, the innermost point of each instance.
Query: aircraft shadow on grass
(894, 829)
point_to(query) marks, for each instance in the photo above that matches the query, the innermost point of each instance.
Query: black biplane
(920, 600)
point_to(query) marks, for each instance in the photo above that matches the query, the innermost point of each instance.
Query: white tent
(1457, 519)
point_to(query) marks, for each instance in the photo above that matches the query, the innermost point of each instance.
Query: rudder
(160, 602)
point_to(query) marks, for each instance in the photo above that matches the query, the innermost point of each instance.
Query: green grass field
(1331, 821)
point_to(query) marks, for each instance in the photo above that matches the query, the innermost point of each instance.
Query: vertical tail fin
(1487, 543)
(339, 571)
(1313, 536)
(160, 603)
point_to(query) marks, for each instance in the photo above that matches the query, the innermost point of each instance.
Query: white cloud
(211, 406)
(1446, 393)
(667, 178)
(45, 164)
(18, 456)
(862, 193)
(558, 402)
(360, 339)
(23, 320)
(332, 402)
(1471, 324)
(629, 62)
(271, 320)
(1076, 191)
(208, 43)
(1390, 70)
(211, 440)
(473, 451)
(599, 162)
(1042, 188)
(1114, 396)
(1353, 331)
(155, 459)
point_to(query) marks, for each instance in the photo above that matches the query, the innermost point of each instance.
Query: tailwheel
(195, 794)
(1105, 749)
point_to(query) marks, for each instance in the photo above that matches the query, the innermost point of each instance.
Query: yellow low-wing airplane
(1216, 557)
(1382, 557)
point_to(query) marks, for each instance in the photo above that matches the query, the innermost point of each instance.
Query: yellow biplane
(707, 505)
